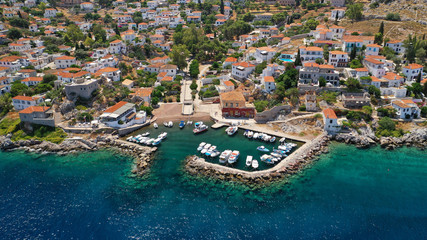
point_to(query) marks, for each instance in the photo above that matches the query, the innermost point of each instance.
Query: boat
(200, 128)
(204, 150)
(224, 156)
(272, 139)
(145, 134)
(197, 124)
(202, 144)
(276, 155)
(155, 125)
(267, 159)
(234, 156)
(249, 161)
(165, 124)
(199, 148)
(157, 141)
(215, 153)
(207, 145)
(189, 122)
(266, 138)
(282, 140)
(163, 135)
(255, 135)
(170, 124)
(231, 130)
(250, 134)
(208, 153)
(181, 124)
(212, 148)
(255, 164)
(262, 149)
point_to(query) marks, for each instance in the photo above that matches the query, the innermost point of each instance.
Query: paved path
(295, 118)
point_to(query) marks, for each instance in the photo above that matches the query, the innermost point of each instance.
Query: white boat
(262, 149)
(272, 139)
(165, 124)
(266, 138)
(250, 134)
(207, 145)
(155, 125)
(224, 156)
(255, 135)
(212, 148)
(202, 144)
(163, 135)
(234, 156)
(255, 164)
(197, 124)
(199, 149)
(189, 122)
(249, 161)
(282, 140)
(204, 150)
(276, 155)
(157, 141)
(170, 124)
(215, 153)
(200, 128)
(267, 159)
(231, 130)
(145, 134)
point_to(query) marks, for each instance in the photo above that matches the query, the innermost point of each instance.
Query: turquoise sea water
(348, 194)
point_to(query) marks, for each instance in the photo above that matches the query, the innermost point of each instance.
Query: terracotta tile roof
(65, 58)
(268, 79)
(27, 71)
(142, 92)
(167, 79)
(329, 113)
(228, 83)
(231, 59)
(374, 61)
(115, 107)
(408, 101)
(311, 64)
(392, 76)
(400, 104)
(11, 58)
(243, 64)
(413, 66)
(373, 45)
(35, 109)
(127, 82)
(338, 52)
(26, 98)
(361, 69)
(326, 66)
(312, 48)
(232, 96)
(34, 79)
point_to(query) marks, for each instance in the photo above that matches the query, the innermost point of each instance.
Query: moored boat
(262, 149)
(255, 164)
(234, 156)
(224, 156)
(272, 139)
(181, 124)
(163, 135)
(170, 124)
(250, 134)
(249, 161)
(145, 134)
(200, 129)
(231, 130)
(155, 125)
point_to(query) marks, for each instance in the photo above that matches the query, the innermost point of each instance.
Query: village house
(117, 47)
(128, 84)
(310, 101)
(22, 102)
(32, 81)
(337, 14)
(86, 6)
(355, 100)
(338, 58)
(241, 70)
(81, 87)
(122, 114)
(350, 41)
(50, 12)
(330, 121)
(338, 3)
(65, 61)
(37, 115)
(406, 109)
(233, 104)
(374, 66)
(312, 72)
(310, 53)
(144, 94)
(396, 46)
(264, 54)
(412, 71)
(372, 49)
(112, 74)
(229, 61)
(225, 86)
(14, 63)
(269, 84)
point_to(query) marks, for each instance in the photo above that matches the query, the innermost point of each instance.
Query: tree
(260, 67)
(14, 33)
(194, 69)
(353, 84)
(154, 101)
(322, 82)
(354, 12)
(298, 59)
(179, 55)
(260, 106)
(74, 33)
(374, 91)
(320, 61)
(279, 17)
(193, 85)
(221, 7)
(49, 79)
(18, 88)
(293, 95)
(386, 123)
(353, 53)
(381, 30)
(108, 18)
(378, 38)
(248, 17)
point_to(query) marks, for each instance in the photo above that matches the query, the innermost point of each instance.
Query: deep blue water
(347, 194)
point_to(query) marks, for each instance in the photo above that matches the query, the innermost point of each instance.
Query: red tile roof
(115, 107)
(35, 109)
(329, 113)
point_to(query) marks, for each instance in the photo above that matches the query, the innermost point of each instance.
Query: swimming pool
(286, 60)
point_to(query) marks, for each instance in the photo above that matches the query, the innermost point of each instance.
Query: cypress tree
(381, 30)
(222, 7)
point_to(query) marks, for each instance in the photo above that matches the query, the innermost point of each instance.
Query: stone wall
(269, 115)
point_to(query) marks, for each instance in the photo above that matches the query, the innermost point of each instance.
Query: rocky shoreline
(302, 157)
(143, 155)
(365, 138)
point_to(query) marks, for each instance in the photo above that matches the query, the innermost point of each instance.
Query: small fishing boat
(246, 133)
(200, 129)
(215, 153)
(267, 159)
(249, 161)
(262, 149)
(170, 124)
(204, 150)
(145, 134)
(155, 125)
(157, 141)
(197, 124)
(276, 155)
(282, 140)
(165, 124)
(189, 122)
(234, 156)
(181, 124)
(207, 145)
(163, 135)
(272, 139)
(255, 164)
(224, 156)
(266, 138)
(250, 134)
(256, 135)
(231, 130)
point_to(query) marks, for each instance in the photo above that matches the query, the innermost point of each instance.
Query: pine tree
(381, 30)
(353, 53)
(419, 77)
(298, 59)
(222, 7)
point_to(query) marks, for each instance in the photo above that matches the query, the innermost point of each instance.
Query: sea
(348, 193)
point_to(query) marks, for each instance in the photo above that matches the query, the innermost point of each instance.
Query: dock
(218, 125)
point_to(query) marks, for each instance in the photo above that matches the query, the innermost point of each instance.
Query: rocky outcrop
(142, 154)
(365, 137)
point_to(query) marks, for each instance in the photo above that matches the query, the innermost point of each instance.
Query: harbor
(188, 139)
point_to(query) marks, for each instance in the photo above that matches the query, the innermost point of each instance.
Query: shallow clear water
(348, 193)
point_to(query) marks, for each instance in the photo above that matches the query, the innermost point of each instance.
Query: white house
(338, 58)
(375, 67)
(337, 14)
(121, 115)
(50, 12)
(242, 70)
(64, 61)
(406, 109)
(22, 102)
(117, 47)
(228, 61)
(113, 74)
(330, 121)
(372, 49)
(86, 6)
(412, 71)
(310, 53)
(396, 45)
(264, 54)
(269, 84)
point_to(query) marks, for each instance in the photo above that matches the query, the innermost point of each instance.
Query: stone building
(81, 88)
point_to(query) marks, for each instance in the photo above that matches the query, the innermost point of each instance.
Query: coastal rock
(7, 144)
